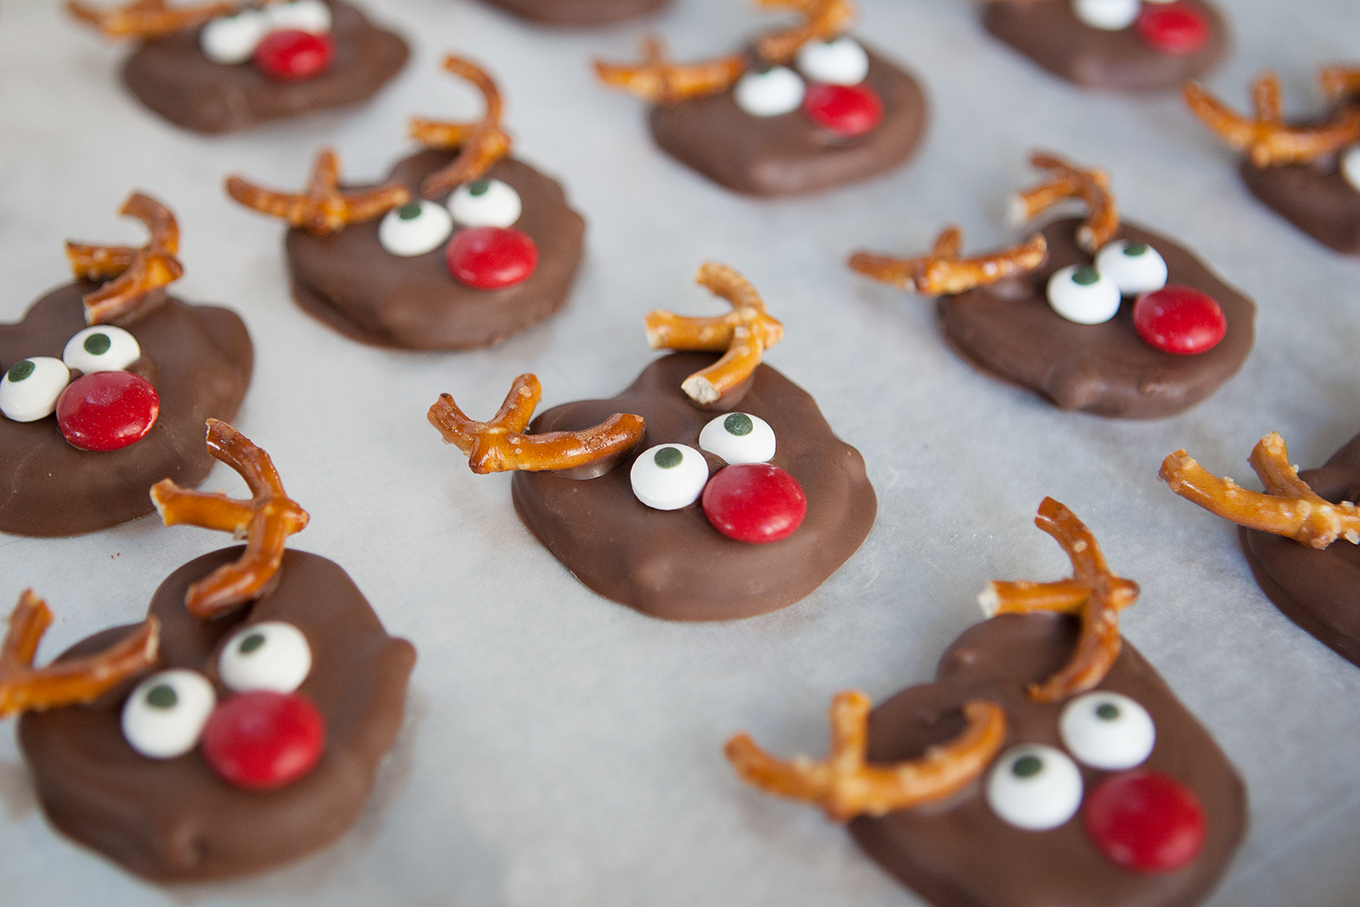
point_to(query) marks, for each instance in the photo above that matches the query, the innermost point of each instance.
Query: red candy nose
(291, 54)
(489, 258)
(847, 110)
(262, 739)
(754, 502)
(1175, 28)
(107, 410)
(1145, 821)
(1179, 320)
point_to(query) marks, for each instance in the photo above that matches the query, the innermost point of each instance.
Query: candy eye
(103, 348)
(1109, 15)
(1350, 166)
(770, 93)
(30, 388)
(739, 438)
(1107, 730)
(304, 15)
(232, 39)
(841, 61)
(164, 716)
(1034, 787)
(415, 229)
(669, 476)
(1083, 294)
(271, 655)
(1134, 267)
(485, 203)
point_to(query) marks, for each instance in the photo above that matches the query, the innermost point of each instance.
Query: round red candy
(291, 54)
(1179, 320)
(263, 739)
(107, 410)
(847, 110)
(1145, 821)
(1173, 28)
(489, 258)
(754, 502)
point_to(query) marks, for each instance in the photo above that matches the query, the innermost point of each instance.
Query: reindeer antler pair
(132, 273)
(147, 19)
(1066, 180)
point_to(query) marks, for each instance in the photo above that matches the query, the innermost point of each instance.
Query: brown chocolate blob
(198, 358)
(1050, 34)
(349, 281)
(1316, 589)
(578, 12)
(674, 564)
(1314, 197)
(174, 820)
(1009, 330)
(173, 77)
(959, 853)
(789, 154)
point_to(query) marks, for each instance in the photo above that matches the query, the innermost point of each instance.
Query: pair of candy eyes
(164, 716)
(779, 90)
(422, 226)
(671, 476)
(1110, 15)
(1091, 294)
(232, 39)
(30, 387)
(1037, 787)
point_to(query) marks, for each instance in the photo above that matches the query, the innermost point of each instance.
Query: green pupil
(162, 696)
(409, 212)
(1027, 766)
(1107, 711)
(479, 187)
(1134, 249)
(1086, 276)
(251, 643)
(668, 457)
(20, 370)
(97, 344)
(738, 424)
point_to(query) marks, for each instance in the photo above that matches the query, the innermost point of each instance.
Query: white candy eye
(1350, 166)
(271, 655)
(1034, 787)
(30, 388)
(1083, 294)
(669, 476)
(1109, 15)
(838, 62)
(415, 228)
(164, 716)
(772, 92)
(304, 15)
(1107, 730)
(231, 39)
(1134, 267)
(102, 348)
(739, 438)
(485, 203)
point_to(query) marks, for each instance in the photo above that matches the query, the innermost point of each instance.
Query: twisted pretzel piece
(942, 273)
(482, 144)
(661, 81)
(266, 521)
(131, 273)
(845, 787)
(1069, 181)
(1264, 137)
(742, 335)
(1289, 507)
(825, 20)
(323, 208)
(1093, 592)
(146, 19)
(1340, 81)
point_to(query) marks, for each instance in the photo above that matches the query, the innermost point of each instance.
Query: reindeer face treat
(275, 693)
(225, 65)
(1309, 173)
(711, 488)
(1047, 764)
(463, 247)
(106, 384)
(802, 109)
(1096, 315)
(1300, 537)
(1125, 45)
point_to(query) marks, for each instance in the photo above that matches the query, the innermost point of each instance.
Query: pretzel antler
(500, 445)
(943, 273)
(1264, 137)
(147, 19)
(481, 144)
(1340, 81)
(1066, 180)
(661, 81)
(24, 688)
(1288, 507)
(132, 274)
(266, 521)
(323, 208)
(845, 787)
(743, 334)
(1093, 592)
(825, 19)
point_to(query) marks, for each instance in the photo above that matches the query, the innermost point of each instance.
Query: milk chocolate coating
(674, 564)
(173, 77)
(958, 853)
(578, 12)
(1008, 329)
(203, 360)
(1314, 197)
(349, 281)
(788, 154)
(1050, 34)
(1316, 589)
(174, 820)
